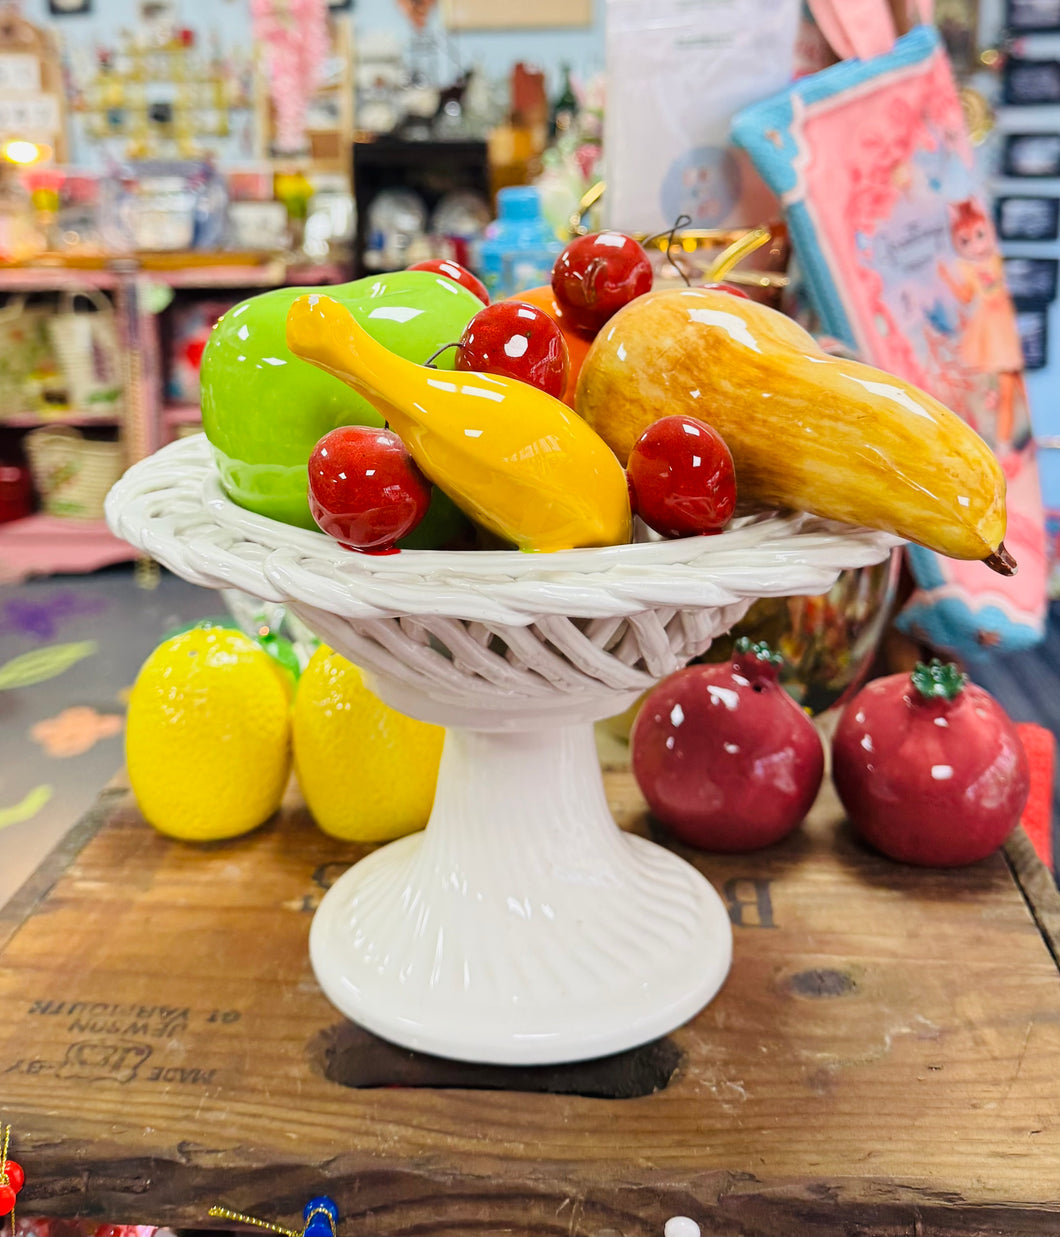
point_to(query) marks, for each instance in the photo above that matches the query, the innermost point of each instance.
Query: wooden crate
(884, 1059)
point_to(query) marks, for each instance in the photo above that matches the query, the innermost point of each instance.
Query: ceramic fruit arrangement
(807, 431)
(929, 767)
(264, 411)
(12, 1179)
(578, 344)
(725, 758)
(213, 699)
(513, 458)
(488, 421)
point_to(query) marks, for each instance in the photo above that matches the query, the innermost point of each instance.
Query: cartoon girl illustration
(990, 343)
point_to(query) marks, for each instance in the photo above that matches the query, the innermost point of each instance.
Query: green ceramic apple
(264, 410)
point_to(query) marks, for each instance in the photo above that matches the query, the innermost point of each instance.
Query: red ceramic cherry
(596, 275)
(16, 1178)
(724, 756)
(453, 270)
(731, 288)
(365, 489)
(7, 1199)
(518, 341)
(929, 767)
(681, 478)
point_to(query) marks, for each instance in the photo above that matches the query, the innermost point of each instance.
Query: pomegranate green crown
(758, 649)
(938, 680)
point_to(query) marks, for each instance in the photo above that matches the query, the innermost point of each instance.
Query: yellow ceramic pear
(807, 431)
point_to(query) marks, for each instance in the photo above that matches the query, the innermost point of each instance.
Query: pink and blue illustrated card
(872, 162)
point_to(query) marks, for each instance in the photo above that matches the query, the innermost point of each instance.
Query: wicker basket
(87, 349)
(72, 473)
(23, 350)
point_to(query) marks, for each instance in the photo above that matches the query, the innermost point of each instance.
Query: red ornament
(518, 341)
(365, 490)
(457, 273)
(731, 288)
(597, 275)
(929, 768)
(16, 1178)
(7, 1199)
(681, 478)
(724, 756)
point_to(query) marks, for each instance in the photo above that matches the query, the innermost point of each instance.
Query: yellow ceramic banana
(514, 459)
(806, 430)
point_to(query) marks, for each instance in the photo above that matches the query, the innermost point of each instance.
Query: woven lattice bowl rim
(171, 505)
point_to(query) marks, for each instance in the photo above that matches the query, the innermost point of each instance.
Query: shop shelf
(181, 414)
(32, 420)
(46, 278)
(48, 545)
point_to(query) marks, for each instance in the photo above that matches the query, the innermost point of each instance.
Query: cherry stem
(682, 221)
(429, 363)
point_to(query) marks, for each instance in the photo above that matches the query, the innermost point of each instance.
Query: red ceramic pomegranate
(724, 756)
(929, 767)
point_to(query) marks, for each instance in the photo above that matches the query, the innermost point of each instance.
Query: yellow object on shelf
(512, 458)
(207, 739)
(367, 772)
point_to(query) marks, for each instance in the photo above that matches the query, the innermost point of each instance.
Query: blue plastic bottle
(519, 247)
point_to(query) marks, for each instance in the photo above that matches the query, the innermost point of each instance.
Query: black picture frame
(1032, 280)
(1032, 16)
(1030, 82)
(1032, 322)
(1021, 217)
(69, 8)
(1031, 155)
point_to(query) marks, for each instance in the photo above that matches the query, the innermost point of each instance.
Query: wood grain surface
(884, 1058)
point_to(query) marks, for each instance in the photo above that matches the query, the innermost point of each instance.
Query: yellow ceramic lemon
(367, 772)
(207, 740)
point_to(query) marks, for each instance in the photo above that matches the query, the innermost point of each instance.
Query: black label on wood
(749, 901)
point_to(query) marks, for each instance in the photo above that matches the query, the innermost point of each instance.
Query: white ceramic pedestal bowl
(522, 927)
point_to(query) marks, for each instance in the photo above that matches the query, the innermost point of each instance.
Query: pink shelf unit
(32, 420)
(49, 545)
(182, 414)
(54, 279)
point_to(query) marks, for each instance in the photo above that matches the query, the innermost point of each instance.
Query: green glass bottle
(565, 107)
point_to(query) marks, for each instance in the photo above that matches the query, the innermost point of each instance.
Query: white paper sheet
(677, 71)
